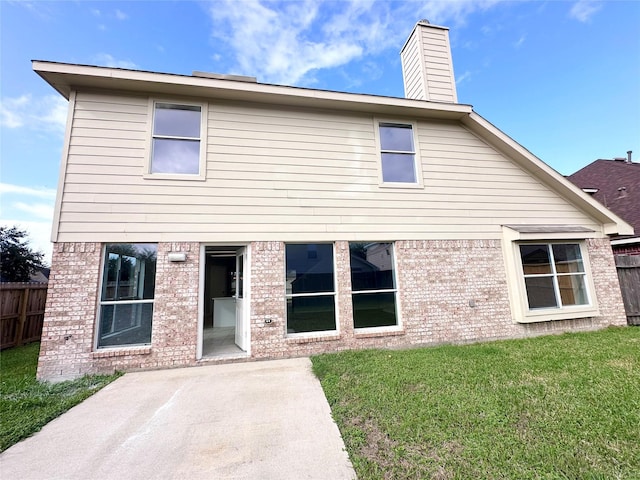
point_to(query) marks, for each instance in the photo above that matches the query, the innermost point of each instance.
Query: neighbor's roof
(618, 185)
(65, 78)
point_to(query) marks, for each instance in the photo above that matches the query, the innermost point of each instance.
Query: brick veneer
(72, 300)
(449, 291)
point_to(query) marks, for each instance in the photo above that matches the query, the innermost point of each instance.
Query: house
(616, 184)
(211, 218)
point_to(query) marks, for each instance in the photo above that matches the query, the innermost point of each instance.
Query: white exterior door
(242, 331)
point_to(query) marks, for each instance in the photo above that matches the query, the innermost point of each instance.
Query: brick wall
(450, 291)
(68, 333)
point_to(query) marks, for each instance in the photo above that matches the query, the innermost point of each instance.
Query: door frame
(201, 292)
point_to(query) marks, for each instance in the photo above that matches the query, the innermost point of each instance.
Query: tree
(17, 260)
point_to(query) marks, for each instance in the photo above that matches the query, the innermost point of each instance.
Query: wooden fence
(21, 313)
(629, 274)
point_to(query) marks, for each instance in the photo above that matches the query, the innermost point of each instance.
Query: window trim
(334, 293)
(512, 239)
(417, 164)
(386, 328)
(204, 115)
(100, 303)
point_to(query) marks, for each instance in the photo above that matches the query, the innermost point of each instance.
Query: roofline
(625, 241)
(65, 77)
(612, 223)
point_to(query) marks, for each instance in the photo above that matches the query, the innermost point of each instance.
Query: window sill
(174, 176)
(396, 185)
(121, 351)
(374, 332)
(551, 315)
(312, 337)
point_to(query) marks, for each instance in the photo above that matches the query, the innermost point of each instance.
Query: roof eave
(612, 224)
(67, 77)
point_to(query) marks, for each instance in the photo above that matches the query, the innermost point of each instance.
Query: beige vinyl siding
(413, 73)
(291, 175)
(437, 59)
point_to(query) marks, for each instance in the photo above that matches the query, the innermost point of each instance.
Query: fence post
(24, 302)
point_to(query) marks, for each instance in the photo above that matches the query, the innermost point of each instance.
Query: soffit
(67, 77)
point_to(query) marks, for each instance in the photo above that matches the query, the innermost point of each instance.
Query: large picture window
(373, 285)
(126, 302)
(397, 153)
(554, 275)
(176, 141)
(310, 287)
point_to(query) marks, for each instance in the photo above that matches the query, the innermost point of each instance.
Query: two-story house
(211, 218)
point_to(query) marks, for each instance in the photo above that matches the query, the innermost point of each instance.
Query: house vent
(219, 76)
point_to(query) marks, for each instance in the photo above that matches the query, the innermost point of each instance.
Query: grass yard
(26, 405)
(555, 407)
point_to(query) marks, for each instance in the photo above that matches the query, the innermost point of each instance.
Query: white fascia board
(65, 77)
(626, 241)
(612, 223)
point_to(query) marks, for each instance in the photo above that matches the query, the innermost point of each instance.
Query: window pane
(175, 156)
(398, 167)
(309, 268)
(374, 310)
(540, 292)
(573, 290)
(130, 271)
(126, 324)
(371, 266)
(396, 137)
(177, 120)
(535, 259)
(311, 314)
(568, 258)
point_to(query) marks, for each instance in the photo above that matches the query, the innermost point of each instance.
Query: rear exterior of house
(211, 219)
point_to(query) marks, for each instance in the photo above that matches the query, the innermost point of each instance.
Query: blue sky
(560, 77)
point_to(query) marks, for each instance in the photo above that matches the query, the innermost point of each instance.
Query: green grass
(26, 405)
(555, 407)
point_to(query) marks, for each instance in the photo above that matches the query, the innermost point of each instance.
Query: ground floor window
(373, 284)
(126, 301)
(554, 275)
(310, 288)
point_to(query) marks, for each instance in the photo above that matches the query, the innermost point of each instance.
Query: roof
(618, 187)
(66, 78)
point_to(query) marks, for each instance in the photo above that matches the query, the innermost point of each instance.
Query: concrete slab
(260, 420)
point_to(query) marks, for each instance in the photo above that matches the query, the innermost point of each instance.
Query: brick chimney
(427, 68)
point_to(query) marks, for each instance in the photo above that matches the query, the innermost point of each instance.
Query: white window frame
(334, 293)
(518, 300)
(202, 173)
(394, 290)
(378, 122)
(101, 303)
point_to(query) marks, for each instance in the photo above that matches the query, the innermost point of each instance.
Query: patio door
(242, 330)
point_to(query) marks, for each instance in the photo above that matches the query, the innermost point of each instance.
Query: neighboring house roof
(67, 78)
(617, 187)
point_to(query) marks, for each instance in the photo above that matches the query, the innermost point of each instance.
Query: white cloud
(108, 60)
(120, 15)
(38, 210)
(48, 112)
(520, 41)
(584, 10)
(39, 234)
(288, 42)
(463, 78)
(40, 192)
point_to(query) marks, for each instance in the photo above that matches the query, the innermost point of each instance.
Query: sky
(562, 78)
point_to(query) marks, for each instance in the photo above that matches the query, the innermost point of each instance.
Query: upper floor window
(398, 155)
(176, 139)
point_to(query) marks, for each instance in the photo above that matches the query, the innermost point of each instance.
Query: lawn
(554, 407)
(26, 405)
